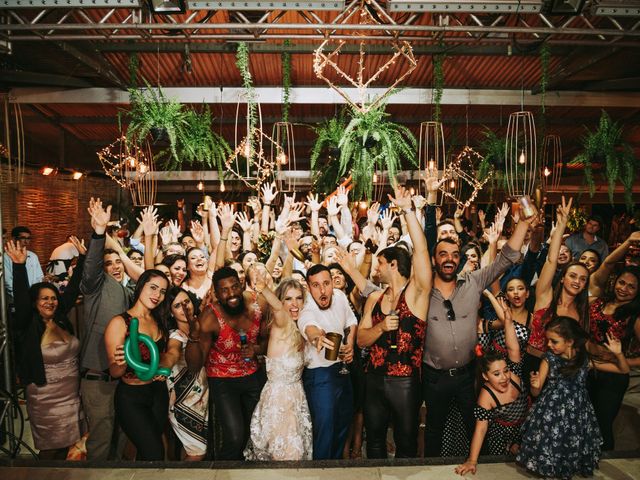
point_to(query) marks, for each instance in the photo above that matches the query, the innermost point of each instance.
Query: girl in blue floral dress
(561, 438)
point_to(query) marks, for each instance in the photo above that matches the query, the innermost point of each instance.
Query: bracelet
(224, 239)
(192, 340)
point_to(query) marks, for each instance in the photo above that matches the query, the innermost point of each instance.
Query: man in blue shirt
(22, 236)
(581, 241)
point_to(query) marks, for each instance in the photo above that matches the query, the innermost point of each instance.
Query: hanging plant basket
(159, 134)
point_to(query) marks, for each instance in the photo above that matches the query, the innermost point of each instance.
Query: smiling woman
(141, 406)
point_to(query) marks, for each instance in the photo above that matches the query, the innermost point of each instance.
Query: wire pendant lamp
(431, 151)
(551, 163)
(521, 155)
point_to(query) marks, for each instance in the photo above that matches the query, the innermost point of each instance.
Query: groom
(328, 392)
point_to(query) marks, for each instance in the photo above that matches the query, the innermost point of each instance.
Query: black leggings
(396, 399)
(606, 391)
(234, 401)
(142, 412)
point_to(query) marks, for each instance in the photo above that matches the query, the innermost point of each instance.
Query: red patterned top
(600, 323)
(406, 360)
(225, 359)
(537, 338)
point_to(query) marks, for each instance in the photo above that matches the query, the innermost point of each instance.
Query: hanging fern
(150, 110)
(370, 143)
(286, 81)
(200, 145)
(605, 145)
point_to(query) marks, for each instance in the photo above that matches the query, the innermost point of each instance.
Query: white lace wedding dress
(281, 423)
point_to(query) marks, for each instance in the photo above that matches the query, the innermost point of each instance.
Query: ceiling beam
(95, 62)
(12, 78)
(614, 84)
(321, 95)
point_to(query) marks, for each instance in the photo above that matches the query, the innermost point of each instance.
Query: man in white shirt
(329, 392)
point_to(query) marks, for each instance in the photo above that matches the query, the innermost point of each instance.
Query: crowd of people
(309, 330)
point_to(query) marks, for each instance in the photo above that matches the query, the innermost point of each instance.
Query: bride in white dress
(281, 424)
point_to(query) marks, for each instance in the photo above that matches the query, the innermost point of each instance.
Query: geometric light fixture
(551, 163)
(521, 171)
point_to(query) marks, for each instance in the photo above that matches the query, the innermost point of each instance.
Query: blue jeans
(330, 398)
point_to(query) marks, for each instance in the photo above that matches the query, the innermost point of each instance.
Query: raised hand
(419, 201)
(269, 193)
(165, 235)
(401, 198)
(506, 308)
(613, 344)
(492, 234)
(502, 213)
(281, 225)
(342, 196)
(431, 181)
(227, 217)
(16, 253)
(313, 203)
(79, 244)
(243, 221)
(254, 204)
(387, 218)
(289, 201)
(332, 207)
(346, 259)
(149, 221)
(564, 209)
(295, 214)
(175, 230)
(481, 216)
(372, 213)
(459, 211)
(438, 215)
(197, 232)
(99, 216)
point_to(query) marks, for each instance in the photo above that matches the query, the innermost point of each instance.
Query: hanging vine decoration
(134, 66)
(242, 62)
(286, 81)
(438, 85)
(544, 78)
(367, 13)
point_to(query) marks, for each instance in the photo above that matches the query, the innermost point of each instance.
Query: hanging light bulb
(200, 185)
(282, 158)
(432, 164)
(452, 183)
(375, 178)
(412, 191)
(222, 189)
(363, 205)
(522, 159)
(132, 161)
(247, 149)
(143, 168)
(77, 175)
(47, 171)
(547, 172)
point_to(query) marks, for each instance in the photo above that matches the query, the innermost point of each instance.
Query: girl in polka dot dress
(502, 403)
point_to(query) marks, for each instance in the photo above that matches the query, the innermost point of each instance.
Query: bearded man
(227, 339)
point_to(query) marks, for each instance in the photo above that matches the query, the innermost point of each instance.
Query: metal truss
(80, 22)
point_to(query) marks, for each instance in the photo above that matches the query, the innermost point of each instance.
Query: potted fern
(325, 173)
(604, 146)
(153, 113)
(370, 142)
(198, 143)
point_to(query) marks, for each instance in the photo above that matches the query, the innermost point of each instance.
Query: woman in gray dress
(47, 357)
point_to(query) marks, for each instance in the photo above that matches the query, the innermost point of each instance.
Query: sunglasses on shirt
(451, 315)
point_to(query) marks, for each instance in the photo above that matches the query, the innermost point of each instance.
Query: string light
(547, 172)
(200, 185)
(456, 170)
(142, 168)
(282, 158)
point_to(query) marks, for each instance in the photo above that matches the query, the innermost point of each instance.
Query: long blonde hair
(291, 331)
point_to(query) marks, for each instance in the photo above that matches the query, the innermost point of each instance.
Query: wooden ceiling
(66, 49)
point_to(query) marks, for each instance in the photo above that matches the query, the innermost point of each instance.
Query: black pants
(396, 399)
(234, 401)
(439, 390)
(606, 391)
(141, 411)
(530, 363)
